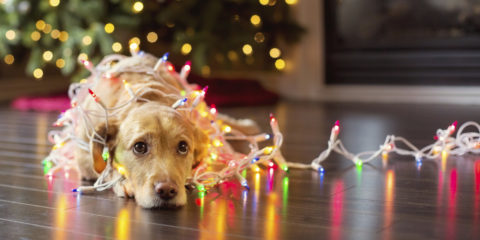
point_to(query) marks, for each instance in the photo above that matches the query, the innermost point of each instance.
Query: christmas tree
(214, 34)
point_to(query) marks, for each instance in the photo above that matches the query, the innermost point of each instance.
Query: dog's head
(157, 146)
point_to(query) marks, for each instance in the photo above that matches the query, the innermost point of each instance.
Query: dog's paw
(124, 189)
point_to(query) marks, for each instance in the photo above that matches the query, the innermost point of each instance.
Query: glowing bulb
(227, 129)
(87, 40)
(280, 64)
(213, 156)
(359, 163)
(10, 35)
(217, 143)
(47, 28)
(134, 47)
(35, 36)
(137, 7)
(54, 3)
(134, 40)
(109, 28)
(55, 34)
(247, 49)
(255, 20)
(291, 2)
(271, 164)
(213, 109)
(117, 47)
(121, 170)
(186, 48)
(201, 188)
(244, 184)
(9, 59)
(255, 168)
(170, 67)
(63, 36)
(40, 25)
(60, 63)
(47, 55)
(105, 154)
(152, 37)
(336, 127)
(275, 53)
(38, 73)
(263, 2)
(268, 150)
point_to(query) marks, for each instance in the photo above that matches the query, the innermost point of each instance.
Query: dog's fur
(154, 122)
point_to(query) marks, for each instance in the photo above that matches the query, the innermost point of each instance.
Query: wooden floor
(393, 199)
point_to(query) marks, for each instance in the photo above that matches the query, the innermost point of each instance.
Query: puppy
(155, 144)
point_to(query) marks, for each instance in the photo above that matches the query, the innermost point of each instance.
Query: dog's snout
(166, 190)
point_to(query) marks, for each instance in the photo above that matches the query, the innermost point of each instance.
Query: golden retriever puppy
(156, 144)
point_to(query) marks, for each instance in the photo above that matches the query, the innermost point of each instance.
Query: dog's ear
(201, 146)
(96, 148)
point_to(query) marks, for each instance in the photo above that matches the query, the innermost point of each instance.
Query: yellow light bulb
(247, 49)
(186, 48)
(280, 64)
(134, 47)
(87, 40)
(217, 143)
(121, 170)
(10, 34)
(291, 2)
(47, 28)
(255, 20)
(275, 52)
(35, 36)
(109, 28)
(54, 3)
(60, 63)
(55, 34)
(38, 73)
(152, 37)
(117, 47)
(63, 36)
(40, 25)
(268, 150)
(227, 128)
(9, 59)
(134, 40)
(263, 2)
(83, 56)
(47, 55)
(137, 7)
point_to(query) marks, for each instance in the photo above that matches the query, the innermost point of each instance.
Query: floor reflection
(389, 203)
(122, 225)
(61, 218)
(336, 210)
(271, 218)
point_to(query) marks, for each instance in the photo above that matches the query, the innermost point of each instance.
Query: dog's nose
(166, 190)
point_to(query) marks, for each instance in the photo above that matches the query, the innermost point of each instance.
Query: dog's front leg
(124, 189)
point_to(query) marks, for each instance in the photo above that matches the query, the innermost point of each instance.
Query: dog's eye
(182, 148)
(140, 148)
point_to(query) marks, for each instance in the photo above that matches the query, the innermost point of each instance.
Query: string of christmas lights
(222, 163)
(445, 144)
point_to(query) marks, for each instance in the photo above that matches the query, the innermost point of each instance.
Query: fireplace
(402, 42)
